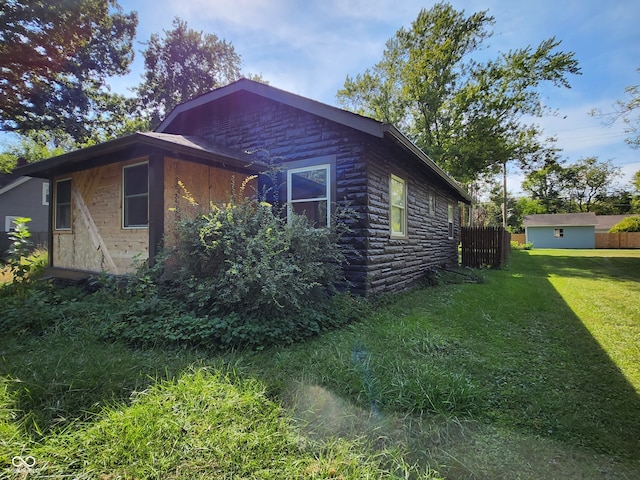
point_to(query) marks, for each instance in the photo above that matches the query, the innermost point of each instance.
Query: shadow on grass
(554, 378)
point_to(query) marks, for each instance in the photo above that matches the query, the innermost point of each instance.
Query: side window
(45, 193)
(431, 199)
(63, 204)
(309, 193)
(450, 216)
(398, 206)
(135, 192)
(9, 226)
(558, 232)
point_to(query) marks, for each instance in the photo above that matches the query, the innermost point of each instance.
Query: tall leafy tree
(55, 58)
(181, 65)
(468, 115)
(629, 111)
(587, 180)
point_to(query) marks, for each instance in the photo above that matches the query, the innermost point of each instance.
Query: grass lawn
(532, 373)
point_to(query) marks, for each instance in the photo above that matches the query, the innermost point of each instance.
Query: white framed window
(558, 233)
(45, 193)
(9, 226)
(309, 193)
(450, 218)
(62, 211)
(397, 206)
(135, 196)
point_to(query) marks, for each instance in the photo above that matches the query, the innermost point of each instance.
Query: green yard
(532, 373)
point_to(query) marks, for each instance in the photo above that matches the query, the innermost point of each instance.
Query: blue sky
(309, 47)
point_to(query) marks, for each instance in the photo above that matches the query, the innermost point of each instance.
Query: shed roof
(176, 144)
(560, 220)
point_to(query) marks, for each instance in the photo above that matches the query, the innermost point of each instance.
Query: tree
(587, 179)
(55, 58)
(32, 147)
(627, 110)
(182, 65)
(631, 224)
(636, 181)
(465, 114)
(578, 187)
(546, 185)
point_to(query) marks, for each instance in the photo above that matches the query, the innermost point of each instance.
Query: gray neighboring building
(22, 196)
(561, 230)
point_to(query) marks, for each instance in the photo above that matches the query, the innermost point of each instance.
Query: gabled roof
(178, 144)
(9, 181)
(334, 114)
(560, 220)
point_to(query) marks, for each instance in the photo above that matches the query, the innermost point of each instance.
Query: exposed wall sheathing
(97, 242)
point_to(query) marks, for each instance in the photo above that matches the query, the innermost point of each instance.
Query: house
(567, 230)
(114, 202)
(22, 196)
(605, 222)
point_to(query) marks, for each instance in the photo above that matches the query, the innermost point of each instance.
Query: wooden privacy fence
(618, 240)
(484, 246)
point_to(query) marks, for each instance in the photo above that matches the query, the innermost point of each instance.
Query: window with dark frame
(135, 202)
(450, 217)
(309, 193)
(63, 204)
(558, 232)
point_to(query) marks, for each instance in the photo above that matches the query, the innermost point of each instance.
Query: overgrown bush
(252, 278)
(629, 224)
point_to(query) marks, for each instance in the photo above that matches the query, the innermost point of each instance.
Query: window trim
(8, 222)
(328, 189)
(46, 189)
(124, 197)
(450, 220)
(404, 216)
(558, 233)
(57, 204)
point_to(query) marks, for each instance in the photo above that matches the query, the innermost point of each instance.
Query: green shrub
(629, 224)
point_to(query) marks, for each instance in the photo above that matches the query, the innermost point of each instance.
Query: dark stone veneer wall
(245, 121)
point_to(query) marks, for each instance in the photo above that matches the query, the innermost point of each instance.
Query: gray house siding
(25, 200)
(573, 237)
(362, 169)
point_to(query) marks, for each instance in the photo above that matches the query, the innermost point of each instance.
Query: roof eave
(408, 145)
(47, 168)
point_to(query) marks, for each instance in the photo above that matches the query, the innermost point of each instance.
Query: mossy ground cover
(530, 373)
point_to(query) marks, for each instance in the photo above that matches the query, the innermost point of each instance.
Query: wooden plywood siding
(97, 242)
(202, 185)
(394, 264)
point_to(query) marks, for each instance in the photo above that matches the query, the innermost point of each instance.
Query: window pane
(309, 184)
(135, 211)
(397, 220)
(316, 212)
(63, 191)
(135, 180)
(63, 216)
(63, 205)
(397, 193)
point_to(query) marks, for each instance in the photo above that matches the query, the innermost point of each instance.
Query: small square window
(9, 225)
(558, 232)
(63, 204)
